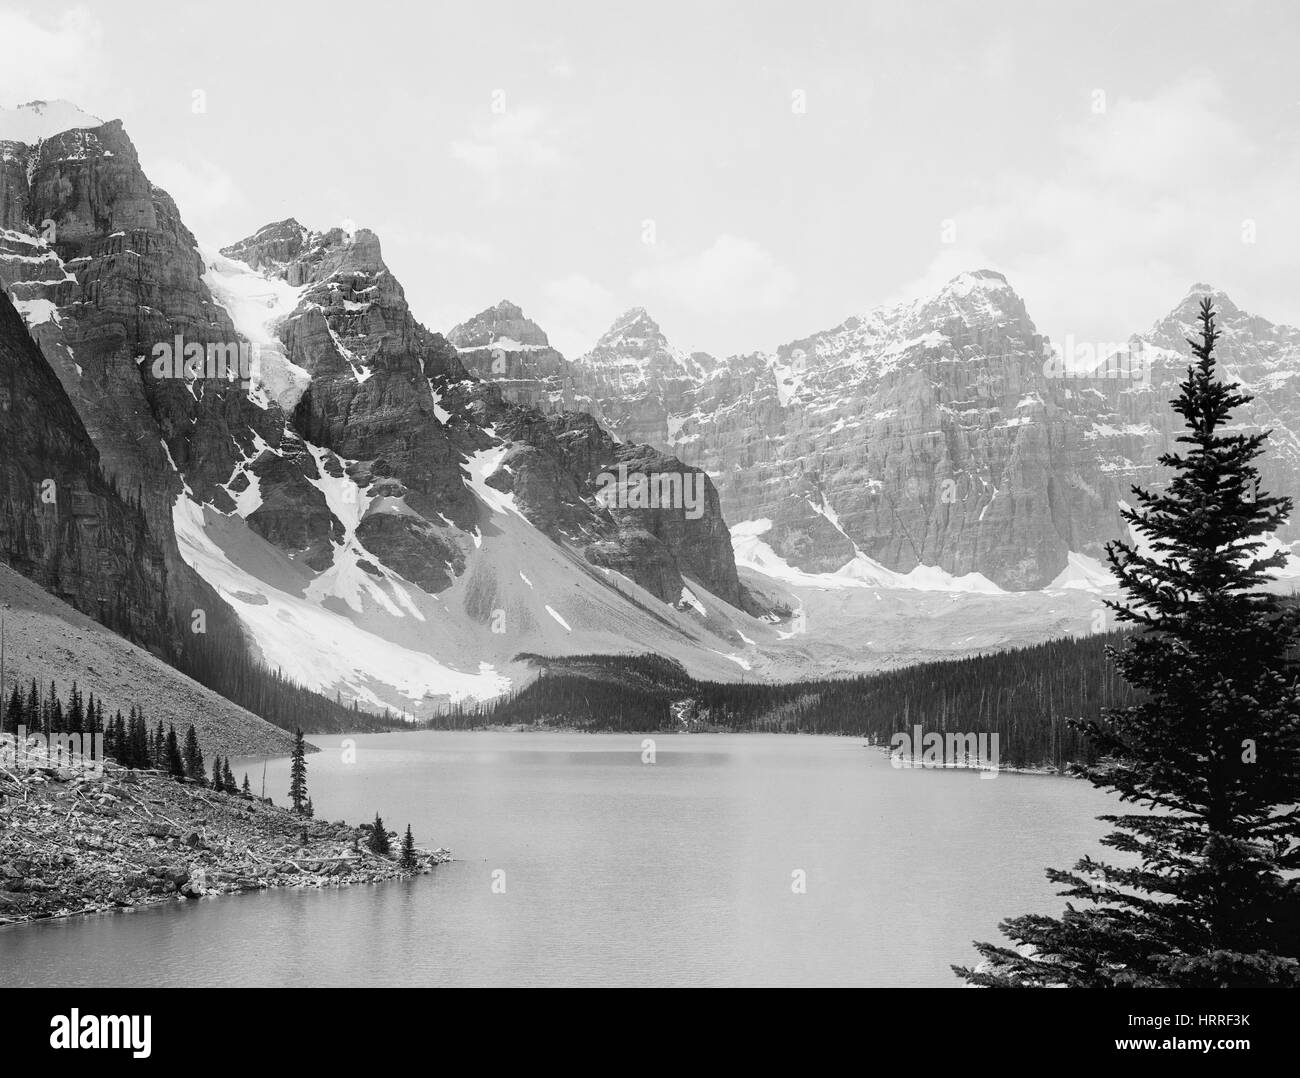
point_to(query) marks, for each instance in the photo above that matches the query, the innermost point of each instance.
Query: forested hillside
(1024, 696)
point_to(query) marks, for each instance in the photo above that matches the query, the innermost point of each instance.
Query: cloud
(733, 275)
(201, 190)
(516, 144)
(1162, 142)
(575, 311)
(1145, 198)
(58, 60)
(459, 246)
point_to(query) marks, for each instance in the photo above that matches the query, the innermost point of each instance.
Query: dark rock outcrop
(62, 523)
(106, 273)
(501, 345)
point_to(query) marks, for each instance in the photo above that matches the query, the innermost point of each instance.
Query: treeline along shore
(1024, 696)
(99, 815)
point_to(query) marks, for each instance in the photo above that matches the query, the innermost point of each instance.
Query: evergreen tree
(228, 778)
(407, 859)
(76, 716)
(247, 788)
(142, 755)
(1211, 896)
(378, 841)
(115, 740)
(218, 782)
(192, 759)
(308, 809)
(174, 762)
(159, 755)
(298, 772)
(14, 712)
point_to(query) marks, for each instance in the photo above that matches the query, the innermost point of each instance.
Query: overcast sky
(748, 172)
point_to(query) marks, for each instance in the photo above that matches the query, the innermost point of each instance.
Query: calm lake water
(616, 872)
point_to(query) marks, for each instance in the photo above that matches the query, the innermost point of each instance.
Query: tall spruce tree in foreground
(298, 773)
(1208, 896)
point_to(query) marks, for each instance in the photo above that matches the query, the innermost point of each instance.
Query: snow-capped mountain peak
(38, 120)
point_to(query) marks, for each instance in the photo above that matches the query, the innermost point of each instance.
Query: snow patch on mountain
(299, 636)
(1083, 573)
(38, 120)
(860, 572)
(257, 305)
(482, 465)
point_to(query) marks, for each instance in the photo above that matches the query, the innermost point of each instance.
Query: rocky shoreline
(74, 842)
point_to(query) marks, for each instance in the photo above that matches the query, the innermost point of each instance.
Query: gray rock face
(561, 464)
(936, 433)
(62, 523)
(633, 379)
(101, 266)
(501, 345)
(372, 445)
(398, 403)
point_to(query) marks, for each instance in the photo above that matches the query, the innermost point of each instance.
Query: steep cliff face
(503, 346)
(915, 436)
(943, 434)
(395, 493)
(62, 524)
(103, 270)
(399, 414)
(558, 470)
(344, 483)
(634, 381)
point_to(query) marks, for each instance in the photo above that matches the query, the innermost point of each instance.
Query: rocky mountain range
(945, 436)
(343, 480)
(266, 436)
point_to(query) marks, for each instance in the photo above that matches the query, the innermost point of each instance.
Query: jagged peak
(274, 243)
(978, 297)
(503, 321)
(1185, 310)
(635, 314)
(992, 276)
(289, 224)
(37, 120)
(980, 280)
(634, 322)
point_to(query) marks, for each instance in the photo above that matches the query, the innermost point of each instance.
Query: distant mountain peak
(982, 281)
(981, 276)
(633, 324)
(37, 120)
(505, 321)
(1186, 310)
(634, 316)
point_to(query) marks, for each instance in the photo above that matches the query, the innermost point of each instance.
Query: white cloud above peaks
(733, 275)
